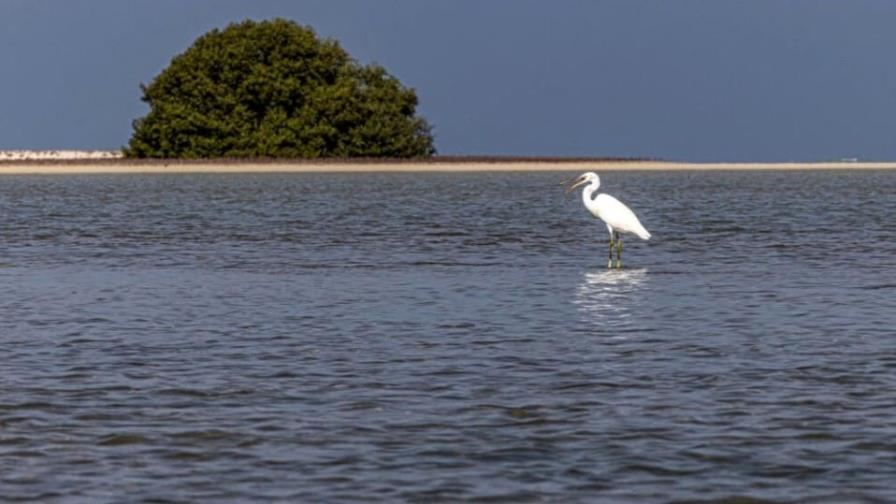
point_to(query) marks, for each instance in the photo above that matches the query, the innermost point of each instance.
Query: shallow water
(443, 337)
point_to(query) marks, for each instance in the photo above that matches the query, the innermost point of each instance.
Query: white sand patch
(225, 166)
(60, 155)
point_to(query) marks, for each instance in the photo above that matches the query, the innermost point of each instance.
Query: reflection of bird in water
(609, 292)
(618, 217)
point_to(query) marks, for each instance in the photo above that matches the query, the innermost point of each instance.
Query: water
(445, 337)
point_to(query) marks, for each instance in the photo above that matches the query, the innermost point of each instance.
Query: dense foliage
(274, 89)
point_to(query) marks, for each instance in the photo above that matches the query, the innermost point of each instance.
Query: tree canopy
(274, 89)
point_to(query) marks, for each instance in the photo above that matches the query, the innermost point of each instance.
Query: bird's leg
(618, 251)
(610, 262)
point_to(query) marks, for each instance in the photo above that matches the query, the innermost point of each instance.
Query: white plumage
(618, 217)
(614, 212)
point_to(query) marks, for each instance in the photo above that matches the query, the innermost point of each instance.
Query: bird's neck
(588, 193)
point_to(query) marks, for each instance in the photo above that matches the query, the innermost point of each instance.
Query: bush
(274, 89)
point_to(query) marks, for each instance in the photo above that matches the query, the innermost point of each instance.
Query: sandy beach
(435, 165)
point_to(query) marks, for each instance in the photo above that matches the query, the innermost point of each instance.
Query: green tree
(274, 89)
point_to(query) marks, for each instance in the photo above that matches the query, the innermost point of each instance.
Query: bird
(616, 215)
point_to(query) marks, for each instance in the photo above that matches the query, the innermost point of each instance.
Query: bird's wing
(618, 215)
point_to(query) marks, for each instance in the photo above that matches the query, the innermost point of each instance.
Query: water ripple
(447, 337)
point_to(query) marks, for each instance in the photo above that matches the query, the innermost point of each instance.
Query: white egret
(618, 217)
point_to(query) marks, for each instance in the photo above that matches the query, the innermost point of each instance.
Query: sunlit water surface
(444, 337)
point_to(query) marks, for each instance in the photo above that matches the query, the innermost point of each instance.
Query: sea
(447, 337)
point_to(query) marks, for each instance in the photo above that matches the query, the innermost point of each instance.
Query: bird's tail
(643, 233)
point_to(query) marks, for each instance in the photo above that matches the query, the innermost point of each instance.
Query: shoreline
(448, 164)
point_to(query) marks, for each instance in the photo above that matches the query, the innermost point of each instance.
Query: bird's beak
(575, 183)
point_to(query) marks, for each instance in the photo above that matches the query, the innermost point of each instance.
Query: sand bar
(435, 165)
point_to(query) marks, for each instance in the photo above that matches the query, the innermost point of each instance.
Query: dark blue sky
(687, 80)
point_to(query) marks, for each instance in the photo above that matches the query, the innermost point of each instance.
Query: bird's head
(585, 178)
